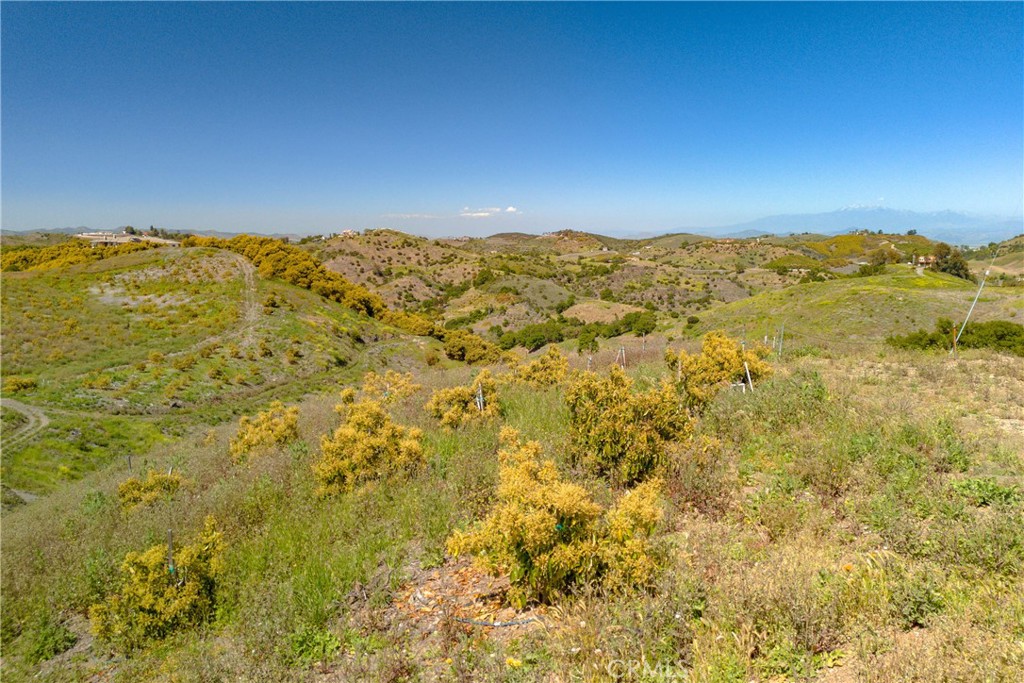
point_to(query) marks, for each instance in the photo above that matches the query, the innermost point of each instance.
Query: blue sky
(450, 119)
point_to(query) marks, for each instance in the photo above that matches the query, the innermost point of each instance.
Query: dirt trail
(37, 421)
(251, 308)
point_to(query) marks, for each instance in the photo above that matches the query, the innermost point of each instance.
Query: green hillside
(847, 313)
(129, 351)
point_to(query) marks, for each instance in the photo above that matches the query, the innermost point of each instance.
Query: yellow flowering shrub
(620, 433)
(550, 535)
(390, 387)
(134, 492)
(277, 425)
(457, 406)
(550, 369)
(719, 363)
(154, 599)
(470, 348)
(367, 446)
(14, 384)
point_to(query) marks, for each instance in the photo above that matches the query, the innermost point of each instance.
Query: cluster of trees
(950, 260)
(537, 335)
(1000, 335)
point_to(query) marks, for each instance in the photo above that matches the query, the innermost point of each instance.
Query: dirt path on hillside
(36, 422)
(251, 306)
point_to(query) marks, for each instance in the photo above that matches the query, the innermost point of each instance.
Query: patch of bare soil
(437, 608)
(459, 596)
(599, 311)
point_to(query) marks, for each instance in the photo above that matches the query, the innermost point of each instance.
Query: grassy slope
(825, 524)
(130, 351)
(846, 313)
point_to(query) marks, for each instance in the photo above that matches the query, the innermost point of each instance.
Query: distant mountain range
(947, 226)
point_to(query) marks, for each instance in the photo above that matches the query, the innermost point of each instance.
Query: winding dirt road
(37, 421)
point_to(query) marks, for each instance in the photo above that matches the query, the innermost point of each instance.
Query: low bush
(390, 387)
(916, 594)
(47, 636)
(459, 405)
(410, 322)
(155, 598)
(367, 446)
(134, 492)
(552, 538)
(275, 426)
(468, 347)
(620, 433)
(999, 335)
(981, 492)
(14, 384)
(720, 363)
(699, 475)
(548, 370)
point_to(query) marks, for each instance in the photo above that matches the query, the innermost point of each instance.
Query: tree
(587, 342)
(911, 232)
(950, 260)
(483, 277)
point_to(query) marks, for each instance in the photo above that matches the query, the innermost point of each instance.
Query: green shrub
(46, 636)
(457, 406)
(999, 335)
(367, 446)
(134, 492)
(980, 492)
(153, 599)
(277, 425)
(620, 433)
(310, 645)
(551, 537)
(916, 595)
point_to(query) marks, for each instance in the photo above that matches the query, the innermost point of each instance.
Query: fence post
(170, 552)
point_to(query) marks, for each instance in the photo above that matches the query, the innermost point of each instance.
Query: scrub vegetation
(385, 497)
